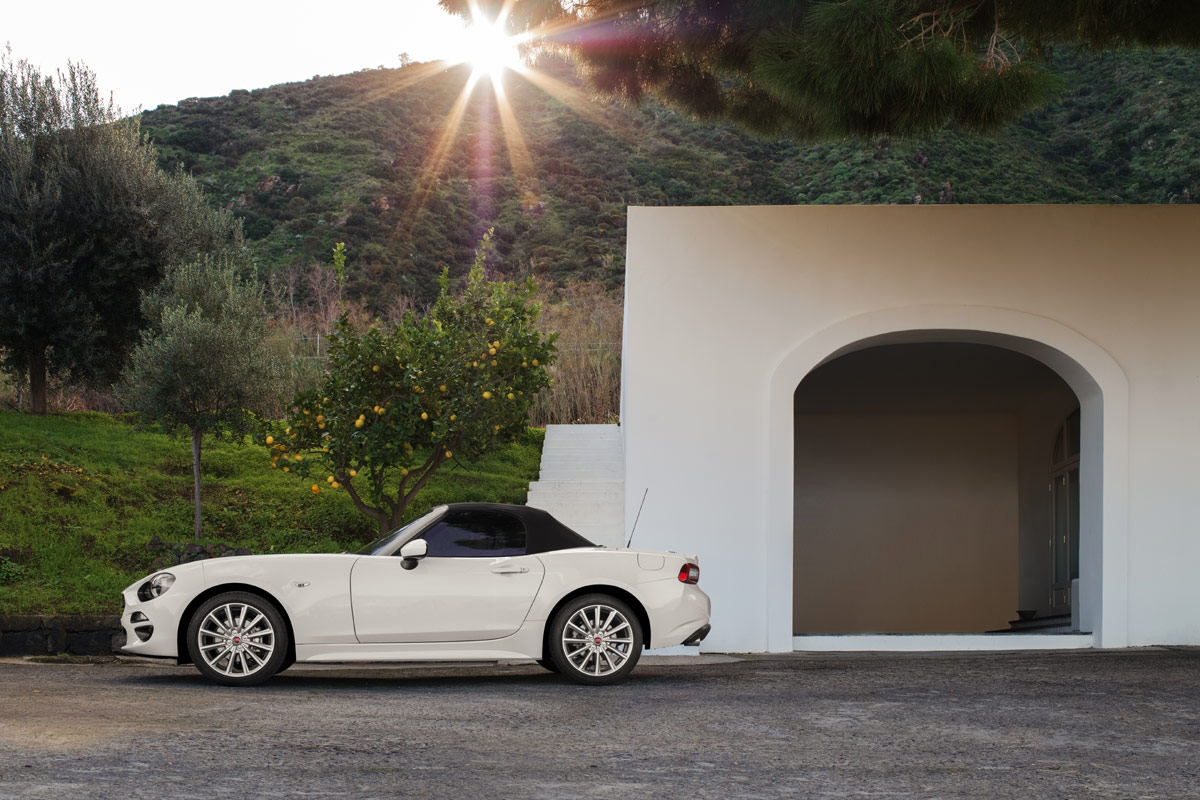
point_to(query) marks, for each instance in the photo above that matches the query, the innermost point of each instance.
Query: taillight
(689, 573)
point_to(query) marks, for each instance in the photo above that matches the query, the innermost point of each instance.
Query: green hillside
(82, 495)
(340, 159)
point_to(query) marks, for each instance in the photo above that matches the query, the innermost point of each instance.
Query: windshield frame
(392, 542)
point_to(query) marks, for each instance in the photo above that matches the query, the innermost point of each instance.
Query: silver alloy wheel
(236, 639)
(597, 640)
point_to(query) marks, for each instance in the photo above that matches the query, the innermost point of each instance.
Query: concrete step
(605, 535)
(579, 473)
(581, 461)
(611, 514)
(554, 432)
(578, 486)
(562, 499)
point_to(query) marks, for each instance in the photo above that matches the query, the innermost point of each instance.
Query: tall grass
(587, 374)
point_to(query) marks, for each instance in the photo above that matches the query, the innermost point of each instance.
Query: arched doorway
(921, 492)
(1098, 382)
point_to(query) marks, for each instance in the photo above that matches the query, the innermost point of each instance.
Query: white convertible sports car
(465, 582)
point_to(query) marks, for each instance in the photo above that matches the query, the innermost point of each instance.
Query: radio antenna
(635, 519)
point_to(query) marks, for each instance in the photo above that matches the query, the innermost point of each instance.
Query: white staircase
(582, 481)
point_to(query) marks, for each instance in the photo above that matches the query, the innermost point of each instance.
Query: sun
(488, 48)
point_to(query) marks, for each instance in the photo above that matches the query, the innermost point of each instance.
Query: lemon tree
(398, 403)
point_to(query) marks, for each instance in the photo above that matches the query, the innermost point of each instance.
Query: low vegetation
(82, 495)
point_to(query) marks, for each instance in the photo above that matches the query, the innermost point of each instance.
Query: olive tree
(87, 220)
(201, 367)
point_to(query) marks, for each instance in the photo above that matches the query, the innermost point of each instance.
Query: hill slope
(342, 159)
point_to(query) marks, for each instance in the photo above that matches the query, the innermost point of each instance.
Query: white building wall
(728, 308)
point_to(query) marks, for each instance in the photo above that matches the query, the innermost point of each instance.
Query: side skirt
(525, 643)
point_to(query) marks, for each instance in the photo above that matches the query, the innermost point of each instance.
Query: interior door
(1064, 540)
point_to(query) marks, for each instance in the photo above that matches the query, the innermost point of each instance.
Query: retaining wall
(46, 634)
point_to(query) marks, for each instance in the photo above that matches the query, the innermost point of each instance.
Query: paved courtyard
(1049, 725)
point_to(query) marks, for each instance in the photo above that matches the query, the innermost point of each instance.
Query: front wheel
(595, 639)
(237, 639)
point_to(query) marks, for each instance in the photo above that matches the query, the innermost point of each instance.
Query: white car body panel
(350, 607)
(443, 599)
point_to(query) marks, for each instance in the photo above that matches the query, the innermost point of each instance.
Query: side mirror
(412, 552)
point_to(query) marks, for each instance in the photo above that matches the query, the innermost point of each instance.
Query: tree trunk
(37, 379)
(196, 477)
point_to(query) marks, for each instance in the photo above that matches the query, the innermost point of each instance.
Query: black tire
(246, 632)
(575, 629)
(546, 663)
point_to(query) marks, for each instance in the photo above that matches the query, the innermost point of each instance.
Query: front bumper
(157, 620)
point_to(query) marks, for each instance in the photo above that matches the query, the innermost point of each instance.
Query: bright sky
(148, 53)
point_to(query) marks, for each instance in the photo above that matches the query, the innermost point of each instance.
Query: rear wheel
(238, 639)
(595, 639)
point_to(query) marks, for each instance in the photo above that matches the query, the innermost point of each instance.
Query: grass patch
(81, 495)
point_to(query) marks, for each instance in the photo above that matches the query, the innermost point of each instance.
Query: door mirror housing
(412, 552)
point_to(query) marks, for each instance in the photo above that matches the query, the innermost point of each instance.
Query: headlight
(157, 585)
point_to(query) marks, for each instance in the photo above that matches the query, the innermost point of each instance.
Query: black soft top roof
(543, 532)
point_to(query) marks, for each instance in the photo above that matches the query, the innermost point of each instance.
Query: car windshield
(379, 545)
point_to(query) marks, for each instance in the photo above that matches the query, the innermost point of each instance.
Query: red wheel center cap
(237, 640)
(598, 640)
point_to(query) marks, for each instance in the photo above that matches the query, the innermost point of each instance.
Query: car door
(475, 583)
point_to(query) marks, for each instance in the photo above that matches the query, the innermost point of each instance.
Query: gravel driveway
(1067, 725)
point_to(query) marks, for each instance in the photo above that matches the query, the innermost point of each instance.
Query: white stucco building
(920, 419)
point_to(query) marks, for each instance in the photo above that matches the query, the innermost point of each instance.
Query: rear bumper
(698, 636)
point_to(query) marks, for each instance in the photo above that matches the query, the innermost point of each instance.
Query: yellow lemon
(375, 368)
(535, 362)
(424, 415)
(511, 396)
(316, 489)
(285, 469)
(287, 430)
(306, 412)
(496, 343)
(358, 423)
(489, 321)
(404, 470)
(299, 457)
(491, 351)
(495, 427)
(448, 454)
(524, 363)
(329, 479)
(443, 387)
(493, 362)
(353, 472)
(270, 440)
(453, 417)
(474, 363)
(321, 425)
(333, 485)
(487, 395)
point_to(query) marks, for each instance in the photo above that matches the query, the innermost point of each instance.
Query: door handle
(509, 570)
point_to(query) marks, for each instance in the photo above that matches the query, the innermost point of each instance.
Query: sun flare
(488, 48)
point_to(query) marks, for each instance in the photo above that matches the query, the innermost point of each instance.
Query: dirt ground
(1122, 724)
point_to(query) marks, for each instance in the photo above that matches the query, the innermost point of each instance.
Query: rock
(20, 622)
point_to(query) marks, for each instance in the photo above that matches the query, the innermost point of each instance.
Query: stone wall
(76, 634)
